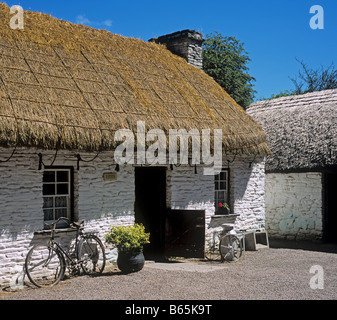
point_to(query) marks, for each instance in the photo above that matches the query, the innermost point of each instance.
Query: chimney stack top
(186, 43)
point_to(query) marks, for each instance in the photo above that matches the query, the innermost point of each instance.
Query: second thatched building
(301, 175)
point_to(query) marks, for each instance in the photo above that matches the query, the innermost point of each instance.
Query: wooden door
(185, 233)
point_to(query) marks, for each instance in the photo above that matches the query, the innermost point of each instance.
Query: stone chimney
(186, 44)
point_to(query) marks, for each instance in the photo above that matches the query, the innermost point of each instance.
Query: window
(57, 191)
(221, 187)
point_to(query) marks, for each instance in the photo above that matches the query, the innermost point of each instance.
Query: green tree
(225, 60)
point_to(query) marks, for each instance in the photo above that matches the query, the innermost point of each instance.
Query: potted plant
(223, 208)
(130, 241)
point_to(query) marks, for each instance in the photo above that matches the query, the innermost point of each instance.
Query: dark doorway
(150, 207)
(330, 207)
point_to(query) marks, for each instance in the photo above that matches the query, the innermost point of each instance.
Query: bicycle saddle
(77, 225)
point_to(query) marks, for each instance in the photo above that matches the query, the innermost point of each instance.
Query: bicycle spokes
(91, 255)
(44, 266)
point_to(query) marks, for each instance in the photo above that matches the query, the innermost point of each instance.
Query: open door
(172, 232)
(150, 207)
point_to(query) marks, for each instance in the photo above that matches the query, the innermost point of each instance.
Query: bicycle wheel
(212, 252)
(44, 266)
(91, 255)
(230, 248)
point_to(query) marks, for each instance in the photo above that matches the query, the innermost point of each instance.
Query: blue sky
(274, 32)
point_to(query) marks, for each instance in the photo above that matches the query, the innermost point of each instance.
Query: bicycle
(45, 265)
(229, 247)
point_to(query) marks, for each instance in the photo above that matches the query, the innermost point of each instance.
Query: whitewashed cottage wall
(189, 191)
(294, 205)
(248, 194)
(102, 204)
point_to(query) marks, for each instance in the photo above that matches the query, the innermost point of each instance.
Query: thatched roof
(69, 86)
(301, 130)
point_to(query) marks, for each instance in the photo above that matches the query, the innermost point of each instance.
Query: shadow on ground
(304, 245)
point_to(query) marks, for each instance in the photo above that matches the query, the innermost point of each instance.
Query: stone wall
(294, 205)
(102, 204)
(196, 191)
(186, 44)
(248, 194)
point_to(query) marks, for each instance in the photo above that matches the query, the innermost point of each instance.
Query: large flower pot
(130, 262)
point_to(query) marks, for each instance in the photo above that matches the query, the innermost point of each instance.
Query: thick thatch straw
(69, 86)
(301, 130)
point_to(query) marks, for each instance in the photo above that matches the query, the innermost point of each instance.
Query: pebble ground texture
(281, 272)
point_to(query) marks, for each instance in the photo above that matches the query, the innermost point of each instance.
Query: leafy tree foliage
(225, 59)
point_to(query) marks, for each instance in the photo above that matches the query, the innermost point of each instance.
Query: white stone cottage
(301, 175)
(65, 90)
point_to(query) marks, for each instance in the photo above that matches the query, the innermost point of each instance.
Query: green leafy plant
(128, 238)
(226, 61)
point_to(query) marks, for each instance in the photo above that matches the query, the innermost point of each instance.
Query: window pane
(62, 188)
(49, 176)
(48, 189)
(62, 176)
(48, 202)
(223, 175)
(221, 196)
(48, 214)
(60, 213)
(60, 202)
(223, 185)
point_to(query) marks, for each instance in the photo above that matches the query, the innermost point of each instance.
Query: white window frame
(221, 185)
(68, 195)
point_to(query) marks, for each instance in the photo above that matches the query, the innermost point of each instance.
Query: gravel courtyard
(278, 273)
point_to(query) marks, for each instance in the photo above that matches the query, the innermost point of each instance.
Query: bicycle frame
(59, 248)
(54, 244)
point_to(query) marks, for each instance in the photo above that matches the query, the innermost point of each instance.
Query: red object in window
(220, 205)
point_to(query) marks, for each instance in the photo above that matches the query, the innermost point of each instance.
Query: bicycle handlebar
(52, 226)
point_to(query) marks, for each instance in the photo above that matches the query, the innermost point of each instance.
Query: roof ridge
(324, 96)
